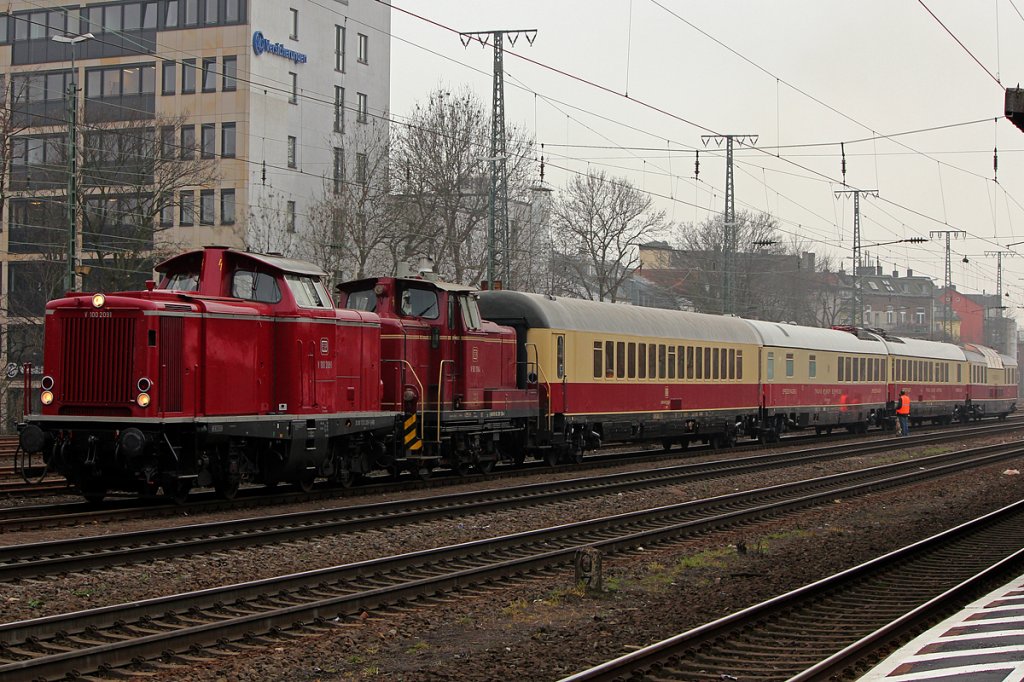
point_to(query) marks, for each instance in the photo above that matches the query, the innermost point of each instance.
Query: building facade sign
(261, 44)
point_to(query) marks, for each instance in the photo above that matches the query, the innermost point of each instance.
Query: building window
(167, 150)
(890, 315)
(294, 35)
(167, 215)
(232, 14)
(339, 109)
(339, 48)
(115, 81)
(188, 76)
(169, 84)
(210, 74)
(227, 140)
(227, 207)
(188, 142)
(361, 169)
(920, 315)
(293, 97)
(187, 208)
(171, 15)
(293, 143)
(191, 12)
(290, 217)
(211, 12)
(362, 108)
(364, 48)
(206, 207)
(230, 74)
(208, 140)
(339, 169)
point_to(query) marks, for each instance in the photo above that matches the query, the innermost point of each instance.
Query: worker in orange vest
(903, 413)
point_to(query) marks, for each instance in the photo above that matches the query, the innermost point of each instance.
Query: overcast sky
(793, 72)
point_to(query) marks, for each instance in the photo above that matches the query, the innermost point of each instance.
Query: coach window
(559, 356)
(631, 359)
(641, 361)
(661, 361)
(681, 355)
(707, 363)
(652, 361)
(812, 366)
(771, 366)
(420, 303)
(308, 292)
(698, 361)
(671, 362)
(739, 364)
(850, 368)
(732, 363)
(620, 359)
(689, 362)
(863, 369)
(255, 286)
(723, 363)
(598, 360)
(609, 359)
(959, 373)
(840, 370)
(790, 365)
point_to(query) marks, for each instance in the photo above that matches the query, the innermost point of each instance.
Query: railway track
(167, 627)
(69, 514)
(82, 553)
(839, 627)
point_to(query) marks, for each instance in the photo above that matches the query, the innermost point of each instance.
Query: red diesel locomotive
(237, 367)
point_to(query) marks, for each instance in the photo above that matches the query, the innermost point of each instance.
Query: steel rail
(81, 553)
(718, 639)
(264, 606)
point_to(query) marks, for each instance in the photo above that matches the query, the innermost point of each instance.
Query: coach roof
(572, 314)
(815, 338)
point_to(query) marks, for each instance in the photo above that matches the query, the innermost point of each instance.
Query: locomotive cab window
(419, 303)
(255, 286)
(309, 292)
(471, 314)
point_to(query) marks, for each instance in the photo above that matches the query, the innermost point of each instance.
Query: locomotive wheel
(178, 491)
(666, 444)
(684, 443)
(305, 482)
(464, 469)
(227, 489)
(94, 494)
(485, 466)
(519, 458)
(552, 457)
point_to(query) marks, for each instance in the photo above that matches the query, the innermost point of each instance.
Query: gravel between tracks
(542, 628)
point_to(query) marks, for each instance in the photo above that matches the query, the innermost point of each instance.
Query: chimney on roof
(910, 273)
(895, 274)
(878, 270)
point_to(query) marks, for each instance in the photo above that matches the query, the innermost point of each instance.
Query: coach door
(559, 381)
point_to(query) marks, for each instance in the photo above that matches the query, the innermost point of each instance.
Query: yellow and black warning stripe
(412, 439)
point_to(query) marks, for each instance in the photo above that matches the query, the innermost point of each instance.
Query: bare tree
(441, 172)
(352, 224)
(597, 223)
(269, 225)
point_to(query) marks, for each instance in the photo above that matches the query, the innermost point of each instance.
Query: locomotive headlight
(47, 383)
(46, 397)
(98, 300)
(143, 400)
(144, 385)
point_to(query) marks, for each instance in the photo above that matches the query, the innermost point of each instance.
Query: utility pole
(947, 331)
(70, 278)
(730, 246)
(999, 269)
(497, 223)
(857, 314)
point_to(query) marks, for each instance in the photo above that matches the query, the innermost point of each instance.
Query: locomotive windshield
(183, 281)
(419, 303)
(362, 300)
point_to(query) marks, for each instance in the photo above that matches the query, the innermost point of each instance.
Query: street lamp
(72, 154)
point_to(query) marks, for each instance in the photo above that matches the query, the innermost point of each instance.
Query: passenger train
(238, 367)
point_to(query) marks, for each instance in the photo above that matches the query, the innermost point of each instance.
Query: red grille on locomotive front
(96, 361)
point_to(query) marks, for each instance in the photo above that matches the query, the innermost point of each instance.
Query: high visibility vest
(904, 407)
